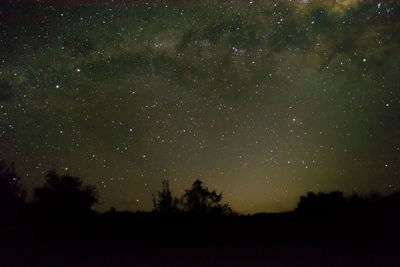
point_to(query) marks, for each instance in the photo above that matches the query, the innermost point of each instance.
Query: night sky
(262, 100)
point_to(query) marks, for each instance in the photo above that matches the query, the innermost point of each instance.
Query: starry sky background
(262, 100)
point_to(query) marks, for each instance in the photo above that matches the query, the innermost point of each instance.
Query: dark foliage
(12, 196)
(165, 203)
(65, 229)
(64, 197)
(201, 201)
(10, 187)
(322, 202)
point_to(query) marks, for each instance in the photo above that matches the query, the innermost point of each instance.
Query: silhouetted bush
(64, 197)
(12, 196)
(199, 200)
(322, 203)
(390, 205)
(165, 203)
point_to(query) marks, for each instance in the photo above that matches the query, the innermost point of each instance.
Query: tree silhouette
(322, 202)
(64, 196)
(12, 196)
(199, 200)
(165, 203)
(10, 187)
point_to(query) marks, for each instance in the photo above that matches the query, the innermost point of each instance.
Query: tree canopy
(12, 196)
(65, 194)
(200, 200)
(165, 203)
(10, 187)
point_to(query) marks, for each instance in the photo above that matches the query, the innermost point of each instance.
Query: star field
(262, 100)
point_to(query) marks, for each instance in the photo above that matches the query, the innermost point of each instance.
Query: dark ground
(128, 239)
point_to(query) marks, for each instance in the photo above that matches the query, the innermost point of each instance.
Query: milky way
(263, 101)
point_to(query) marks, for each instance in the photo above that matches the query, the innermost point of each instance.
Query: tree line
(66, 197)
